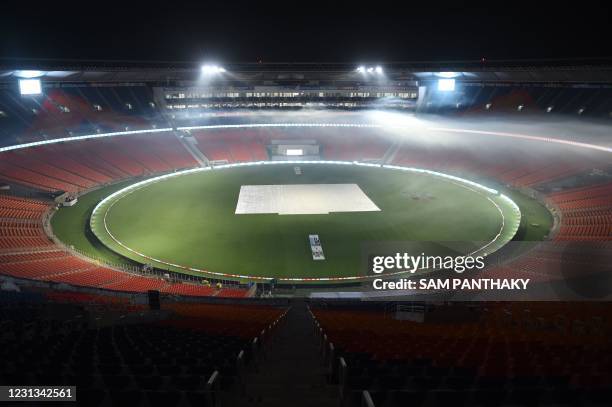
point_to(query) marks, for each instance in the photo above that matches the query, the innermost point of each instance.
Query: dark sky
(303, 31)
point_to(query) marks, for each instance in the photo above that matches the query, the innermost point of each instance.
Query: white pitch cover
(303, 199)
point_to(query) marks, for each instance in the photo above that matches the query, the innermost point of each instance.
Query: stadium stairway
(291, 372)
(190, 145)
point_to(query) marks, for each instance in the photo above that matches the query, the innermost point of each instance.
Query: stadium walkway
(292, 374)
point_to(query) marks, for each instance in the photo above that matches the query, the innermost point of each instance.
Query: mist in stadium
(335, 208)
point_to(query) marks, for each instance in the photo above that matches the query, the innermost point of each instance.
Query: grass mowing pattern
(189, 220)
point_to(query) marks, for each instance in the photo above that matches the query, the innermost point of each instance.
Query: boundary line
(473, 186)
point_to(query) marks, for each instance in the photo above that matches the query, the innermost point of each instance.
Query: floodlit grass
(71, 225)
(189, 220)
(536, 220)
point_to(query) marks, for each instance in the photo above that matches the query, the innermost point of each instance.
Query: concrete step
(291, 374)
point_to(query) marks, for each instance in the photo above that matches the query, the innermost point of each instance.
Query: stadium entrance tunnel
(187, 222)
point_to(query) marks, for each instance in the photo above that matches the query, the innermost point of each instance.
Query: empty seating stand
(142, 363)
(26, 252)
(81, 165)
(516, 354)
(586, 213)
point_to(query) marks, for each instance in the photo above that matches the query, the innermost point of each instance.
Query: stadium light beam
(30, 87)
(361, 69)
(379, 70)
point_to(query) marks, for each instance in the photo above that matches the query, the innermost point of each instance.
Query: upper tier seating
(232, 145)
(244, 145)
(593, 102)
(62, 112)
(81, 165)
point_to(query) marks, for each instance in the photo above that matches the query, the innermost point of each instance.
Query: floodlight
(446, 85)
(212, 69)
(361, 69)
(447, 75)
(379, 70)
(30, 87)
(370, 69)
(549, 109)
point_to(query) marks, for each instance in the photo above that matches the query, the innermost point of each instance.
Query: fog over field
(576, 140)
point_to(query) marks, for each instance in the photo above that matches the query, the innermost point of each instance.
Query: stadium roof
(517, 71)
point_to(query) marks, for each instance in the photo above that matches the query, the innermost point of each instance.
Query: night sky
(302, 31)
